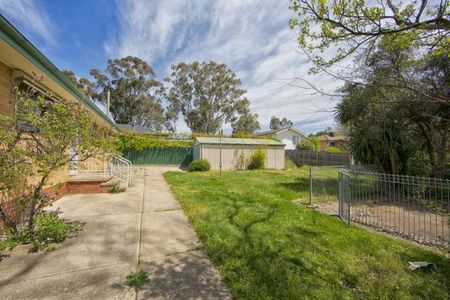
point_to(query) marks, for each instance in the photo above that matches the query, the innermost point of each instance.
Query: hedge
(141, 142)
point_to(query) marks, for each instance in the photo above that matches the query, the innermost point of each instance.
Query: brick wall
(6, 95)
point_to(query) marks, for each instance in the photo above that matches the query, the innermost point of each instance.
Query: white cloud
(30, 17)
(251, 37)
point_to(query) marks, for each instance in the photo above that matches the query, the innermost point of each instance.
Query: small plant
(242, 161)
(137, 279)
(258, 160)
(199, 165)
(116, 189)
(49, 228)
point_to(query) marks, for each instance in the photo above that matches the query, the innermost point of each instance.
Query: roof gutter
(19, 42)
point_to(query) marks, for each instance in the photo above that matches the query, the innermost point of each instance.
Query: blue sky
(251, 37)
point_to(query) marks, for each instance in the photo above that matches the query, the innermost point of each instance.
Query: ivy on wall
(142, 142)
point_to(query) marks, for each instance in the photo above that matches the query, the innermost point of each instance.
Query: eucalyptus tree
(277, 123)
(136, 94)
(247, 122)
(207, 94)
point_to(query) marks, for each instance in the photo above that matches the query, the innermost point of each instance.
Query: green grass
(267, 247)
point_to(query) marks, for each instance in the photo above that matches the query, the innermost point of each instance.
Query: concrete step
(89, 178)
(111, 182)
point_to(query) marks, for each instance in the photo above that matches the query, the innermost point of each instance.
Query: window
(295, 139)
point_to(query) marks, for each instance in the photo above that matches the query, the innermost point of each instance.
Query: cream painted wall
(238, 156)
(286, 138)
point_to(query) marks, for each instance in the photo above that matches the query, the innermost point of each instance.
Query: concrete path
(145, 222)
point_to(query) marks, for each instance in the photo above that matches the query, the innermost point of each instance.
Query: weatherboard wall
(238, 156)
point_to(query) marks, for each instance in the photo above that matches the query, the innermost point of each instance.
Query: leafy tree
(347, 26)
(388, 124)
(207, 94)
(277, 123)
(247, 122)
(34, 144)
(136, 95)
(83, 84)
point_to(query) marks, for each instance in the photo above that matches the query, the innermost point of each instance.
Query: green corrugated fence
(169, 156)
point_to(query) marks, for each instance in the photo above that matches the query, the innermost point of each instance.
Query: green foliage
(141, 142)
(350, 26)
(387, 133)
(137, 279)
(306, 145)
(49, 228)
(208, 94)
(257, 160)
(247, 122)
(334, 150)
(277, 123)
(267, 247)
(242, 135)
(55, 133)
(199, 165)
(116, 189)
(418, 165)
(315, 140)
(136, 95)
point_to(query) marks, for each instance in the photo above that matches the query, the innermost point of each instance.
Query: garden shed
(235, 153)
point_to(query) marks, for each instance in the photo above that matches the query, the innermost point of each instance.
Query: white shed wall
(231, 156)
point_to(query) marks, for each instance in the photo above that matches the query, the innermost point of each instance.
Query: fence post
(310, 185)
(349, 197)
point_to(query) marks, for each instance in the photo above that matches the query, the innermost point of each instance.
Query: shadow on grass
(321, 187)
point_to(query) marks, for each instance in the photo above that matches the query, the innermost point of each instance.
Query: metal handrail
(115, 169)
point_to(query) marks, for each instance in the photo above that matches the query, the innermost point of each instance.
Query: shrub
(334, 150)
(306, 145)
(199, 165)
(258, 160)
(418, 165)
(49, 228)
(316, 142)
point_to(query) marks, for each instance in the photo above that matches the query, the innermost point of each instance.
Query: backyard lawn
(268, 247)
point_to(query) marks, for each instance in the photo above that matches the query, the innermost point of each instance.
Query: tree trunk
(35, 197)
(442, 151)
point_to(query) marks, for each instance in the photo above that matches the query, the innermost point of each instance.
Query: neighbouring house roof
(136, 128)
(236, 141)
(276, 131)
(22, 45)
(326, 137)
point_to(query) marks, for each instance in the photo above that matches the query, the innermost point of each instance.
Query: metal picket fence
(417, 208)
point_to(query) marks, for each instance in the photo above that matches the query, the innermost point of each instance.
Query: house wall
(7, 108)
(6, 94)
(238, 156)
(323, 145)
(286, 138)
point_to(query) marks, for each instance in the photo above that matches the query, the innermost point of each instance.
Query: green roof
(19, 42)
(237, 141)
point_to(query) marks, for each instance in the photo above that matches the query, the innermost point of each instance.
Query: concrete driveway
(145, 222)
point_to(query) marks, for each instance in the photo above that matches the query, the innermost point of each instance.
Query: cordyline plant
(41, 138)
